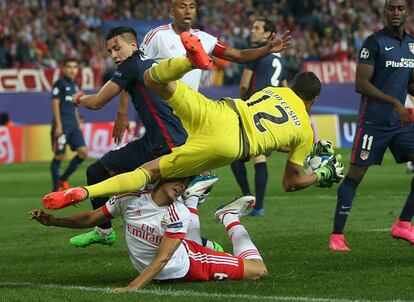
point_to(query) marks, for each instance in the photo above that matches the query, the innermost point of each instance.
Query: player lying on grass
(160, 234)
(222, 131)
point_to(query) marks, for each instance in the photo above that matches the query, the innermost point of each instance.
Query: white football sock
(103, 232)
(193, 231)
(243, 246)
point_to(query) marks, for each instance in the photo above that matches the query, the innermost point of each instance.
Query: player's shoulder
(409, 36)
(375, 36)
(59, 82)
(201, 34)
(128, 65)
(162, 29)
(139, 194)
(178, 211)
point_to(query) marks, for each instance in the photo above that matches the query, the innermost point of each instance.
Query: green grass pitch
(38, 264)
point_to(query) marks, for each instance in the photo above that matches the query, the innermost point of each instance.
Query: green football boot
(92, 237)
(218, 247)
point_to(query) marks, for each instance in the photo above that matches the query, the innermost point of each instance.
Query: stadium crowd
(39, 33)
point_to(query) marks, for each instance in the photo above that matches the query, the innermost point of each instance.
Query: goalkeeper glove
(333, 170)
(322, 147)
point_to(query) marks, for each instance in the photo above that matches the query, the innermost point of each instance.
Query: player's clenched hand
(121, 124)
(278, 44)
(322, 147)
(402, 114)
(332, 170)
(42, 217)
(58, 131)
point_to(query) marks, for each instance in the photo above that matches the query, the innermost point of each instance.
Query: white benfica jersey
(163, 43)
(145, 224)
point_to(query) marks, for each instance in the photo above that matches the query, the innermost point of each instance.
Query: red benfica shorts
(206, 264)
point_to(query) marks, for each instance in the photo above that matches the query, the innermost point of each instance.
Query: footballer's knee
(82, 153)
(259, 159)
(153, 169)
(254, 269)
(357, 173)
(96, 172)
(59, 157)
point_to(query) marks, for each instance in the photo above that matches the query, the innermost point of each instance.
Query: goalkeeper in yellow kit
(222, 131)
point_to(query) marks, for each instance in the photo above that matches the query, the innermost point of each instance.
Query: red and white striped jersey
(163, 43)
(145, 224)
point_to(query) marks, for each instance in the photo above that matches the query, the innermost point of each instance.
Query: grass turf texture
(38, 264)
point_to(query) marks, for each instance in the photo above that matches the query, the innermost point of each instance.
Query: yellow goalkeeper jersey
(276, 119)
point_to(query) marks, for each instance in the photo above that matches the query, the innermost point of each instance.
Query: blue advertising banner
(347, 129)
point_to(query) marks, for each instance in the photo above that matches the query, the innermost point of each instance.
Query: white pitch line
(185, 293)
(379, 230)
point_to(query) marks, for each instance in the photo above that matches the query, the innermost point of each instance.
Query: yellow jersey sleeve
(300, 151)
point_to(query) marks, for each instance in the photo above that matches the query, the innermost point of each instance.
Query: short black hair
(128, 33)
(407, 2)
(306, 85)
(163, 181)
(268, 25)
(69, 60)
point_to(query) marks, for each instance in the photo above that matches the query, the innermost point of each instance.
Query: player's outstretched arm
(167, 248)
(276, 44)
(99, 99)
(77, 221)
(121, 121)
(294, 180)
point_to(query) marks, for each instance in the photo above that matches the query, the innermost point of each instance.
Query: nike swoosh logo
(388, 48)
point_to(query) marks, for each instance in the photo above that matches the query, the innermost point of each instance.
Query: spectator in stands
(312, 23)
(5, 120)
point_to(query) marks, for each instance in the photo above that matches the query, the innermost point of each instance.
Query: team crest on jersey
(411, 47)
(364, 154)
(164, 222)
(364, 53)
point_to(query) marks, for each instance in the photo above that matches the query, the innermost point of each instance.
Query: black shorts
(370, 144)
(73, 138)
(132, 155)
